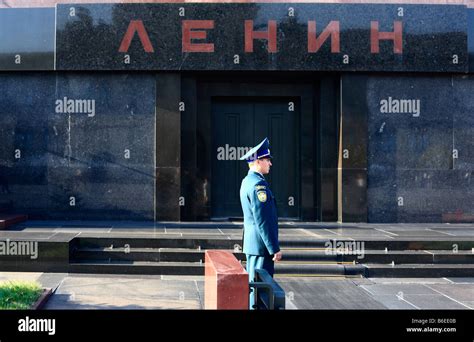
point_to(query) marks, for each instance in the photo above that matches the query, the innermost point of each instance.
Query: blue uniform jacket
(260, 216)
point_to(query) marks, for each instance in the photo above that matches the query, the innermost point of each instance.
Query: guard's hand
(277, 256)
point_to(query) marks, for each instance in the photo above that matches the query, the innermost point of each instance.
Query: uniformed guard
(260, 215)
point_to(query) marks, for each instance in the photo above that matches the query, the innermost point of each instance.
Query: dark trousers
(258, 262)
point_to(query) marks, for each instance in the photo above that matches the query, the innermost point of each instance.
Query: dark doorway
(242, 122)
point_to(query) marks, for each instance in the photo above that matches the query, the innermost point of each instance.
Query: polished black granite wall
(27, 38)
(420, 162)
(49, 155)
(326, 144)
(353, 151)
(413, 165)
(40, 255)
(94, 162)
(89, 37)
(168, 147)
(470, 38)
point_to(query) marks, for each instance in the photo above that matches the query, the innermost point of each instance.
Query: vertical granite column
(327, 142)
(168, 146)
(189, 169)
(353, 201)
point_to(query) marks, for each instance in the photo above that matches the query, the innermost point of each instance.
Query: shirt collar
(258, 173)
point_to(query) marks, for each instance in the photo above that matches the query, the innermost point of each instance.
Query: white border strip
(454, 300)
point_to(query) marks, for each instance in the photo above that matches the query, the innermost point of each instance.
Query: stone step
(377, 270)
(309, 255)
(144, 254)
(161, 242)
(314, 269)
(374, 256)
(285, 267)
(226, 243)
(413, 257)
(448, 243)
(7, 220)
(419, 270)
(281, 269)
(137, 267)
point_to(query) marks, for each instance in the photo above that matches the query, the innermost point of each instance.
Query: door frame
(261, 100)
(208, 86)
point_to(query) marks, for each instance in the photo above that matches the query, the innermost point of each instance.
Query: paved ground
(93, 291)
(379, 293)
(77, 291)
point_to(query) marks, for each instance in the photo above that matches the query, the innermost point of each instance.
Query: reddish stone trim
(42, 299)
(7, 220)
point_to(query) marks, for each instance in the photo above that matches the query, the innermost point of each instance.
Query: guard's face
(265, 164)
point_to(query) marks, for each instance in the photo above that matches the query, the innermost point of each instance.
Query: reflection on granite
(354, 195)
(34, 256)
(27, 38)
(420, 150)
(354, 148)
(410, 122)
(152, 36)
(354, 122)
(328, 194)
(470, 38)
(462, 107)
(78, 146)
(420, 196)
